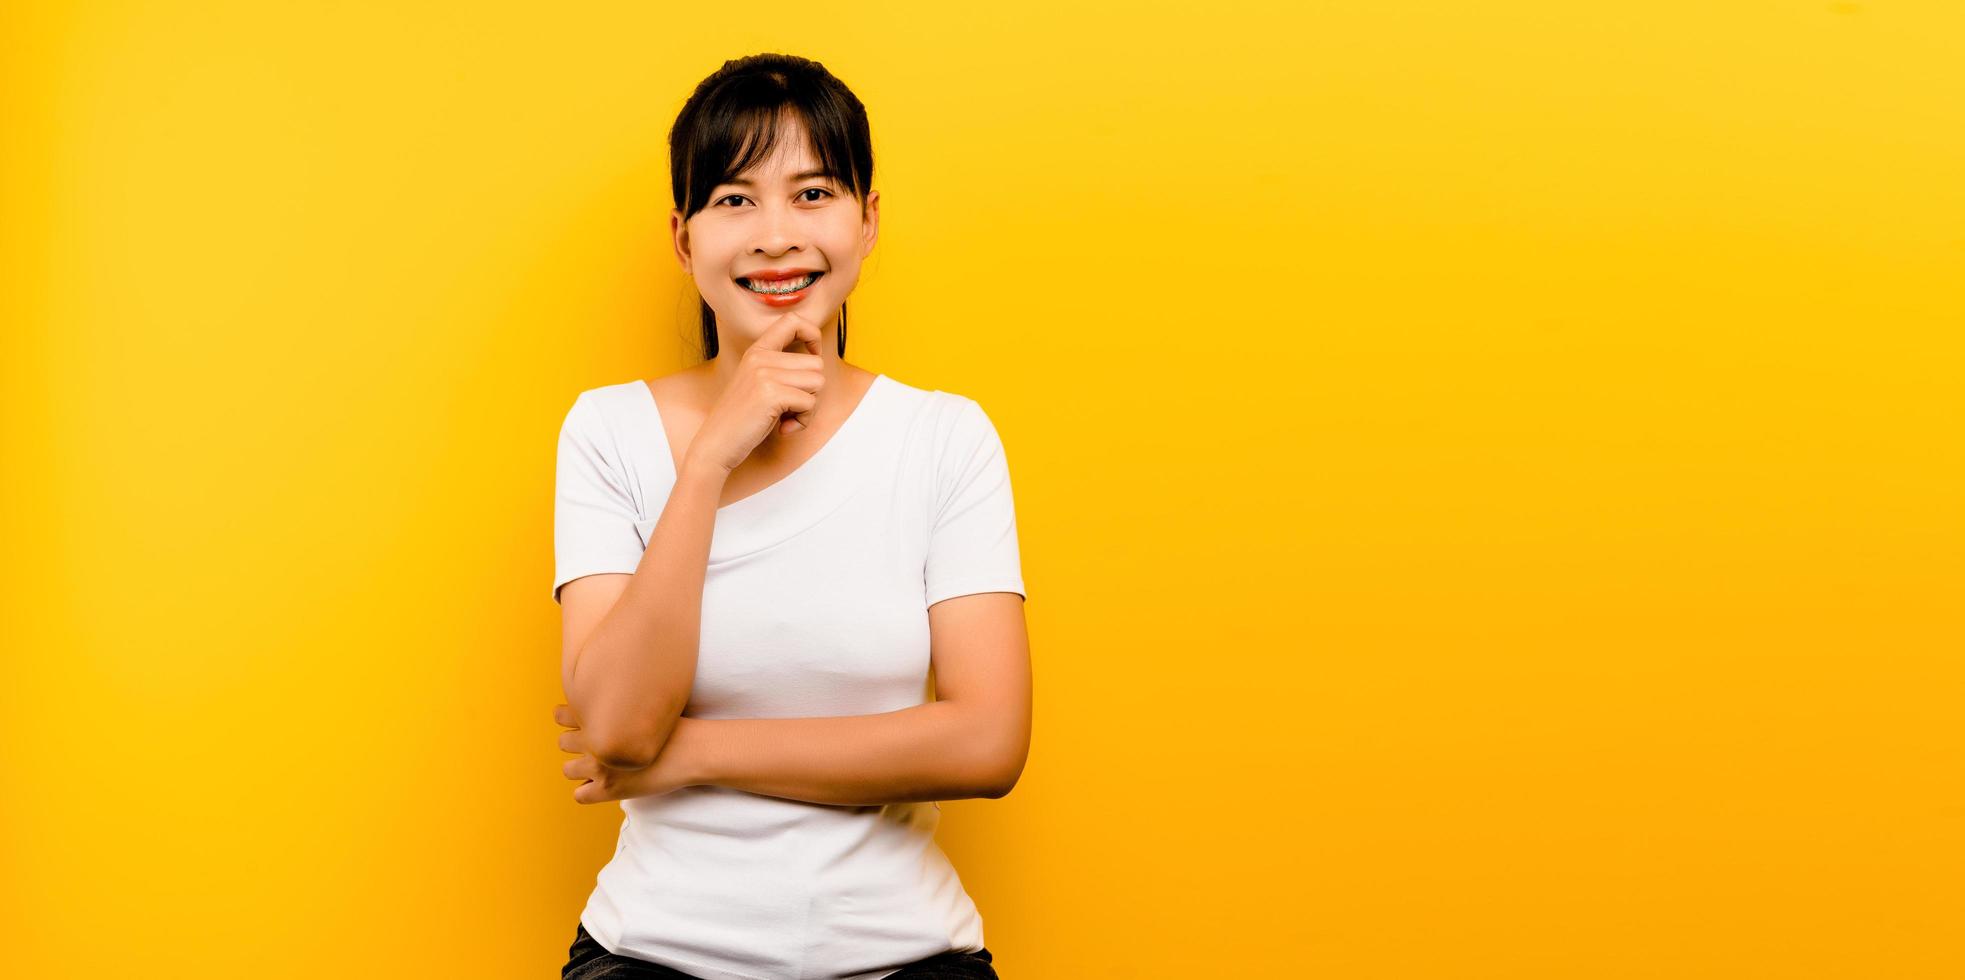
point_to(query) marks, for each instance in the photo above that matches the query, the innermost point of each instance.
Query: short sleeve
(593, 513)
(972, 546)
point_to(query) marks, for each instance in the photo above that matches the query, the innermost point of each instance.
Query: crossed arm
(933, 751)
(971, 743)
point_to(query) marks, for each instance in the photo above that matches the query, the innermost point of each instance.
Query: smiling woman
(784, 641)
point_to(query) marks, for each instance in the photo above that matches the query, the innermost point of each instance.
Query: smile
(783, 292)
(782, 286)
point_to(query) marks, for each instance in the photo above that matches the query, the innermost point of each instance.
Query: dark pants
(589, 960)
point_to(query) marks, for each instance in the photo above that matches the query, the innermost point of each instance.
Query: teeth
(782, 285)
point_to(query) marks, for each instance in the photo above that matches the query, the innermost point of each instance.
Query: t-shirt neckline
(796, 501)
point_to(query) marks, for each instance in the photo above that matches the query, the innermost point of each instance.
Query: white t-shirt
(815, 603)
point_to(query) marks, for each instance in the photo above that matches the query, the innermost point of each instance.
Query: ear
(679, 230)
(871, 223)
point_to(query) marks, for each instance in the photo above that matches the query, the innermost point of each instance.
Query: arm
(934, 751)
(972, 741)
(630, 678)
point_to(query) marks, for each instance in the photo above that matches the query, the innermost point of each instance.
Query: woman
(755, 558)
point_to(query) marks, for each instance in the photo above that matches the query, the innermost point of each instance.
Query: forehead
(792, 157)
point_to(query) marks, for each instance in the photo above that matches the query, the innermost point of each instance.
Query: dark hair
(731, 122)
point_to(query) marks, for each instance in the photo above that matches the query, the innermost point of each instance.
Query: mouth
(780, 286)
(780, 292)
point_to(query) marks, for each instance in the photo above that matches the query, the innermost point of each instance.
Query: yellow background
(1489, 475)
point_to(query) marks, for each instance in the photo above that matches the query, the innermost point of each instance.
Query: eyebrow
(801, 175)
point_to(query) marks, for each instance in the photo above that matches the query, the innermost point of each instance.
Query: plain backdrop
(1488, 475)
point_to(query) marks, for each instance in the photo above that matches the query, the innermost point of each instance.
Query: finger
(563, 714)
(801, 405)
(572, 741)
(809, 333)
(793, 327)
(581, 794)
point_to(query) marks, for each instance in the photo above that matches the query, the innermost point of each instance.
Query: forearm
(632, 678)
(932, 751)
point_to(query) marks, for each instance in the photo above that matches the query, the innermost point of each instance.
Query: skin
(974, 738)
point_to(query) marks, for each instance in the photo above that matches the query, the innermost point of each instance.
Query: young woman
(766, 565)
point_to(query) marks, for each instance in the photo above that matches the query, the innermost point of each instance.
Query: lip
(781, 300)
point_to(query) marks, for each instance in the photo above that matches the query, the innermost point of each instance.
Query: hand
(776, 389)
(601, 784)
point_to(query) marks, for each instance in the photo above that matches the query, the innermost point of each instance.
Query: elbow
(628, 754)
(632, 742)
(996, 760)
(629, 751)
(625, 758)
(1003, 780)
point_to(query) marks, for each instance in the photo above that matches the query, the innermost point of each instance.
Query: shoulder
(963, 423)
(685, 389)
(951, 433)
(607, 408)
(943, 413)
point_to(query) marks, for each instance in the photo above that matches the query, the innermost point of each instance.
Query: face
(772, 218)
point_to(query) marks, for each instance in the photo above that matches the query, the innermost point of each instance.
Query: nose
(778, 232)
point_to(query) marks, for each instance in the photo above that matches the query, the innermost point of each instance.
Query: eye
(740, 197)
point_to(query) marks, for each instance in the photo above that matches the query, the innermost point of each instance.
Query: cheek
(843, 277)
(843, 257)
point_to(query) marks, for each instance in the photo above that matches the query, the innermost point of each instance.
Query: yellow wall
(1511, 528)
